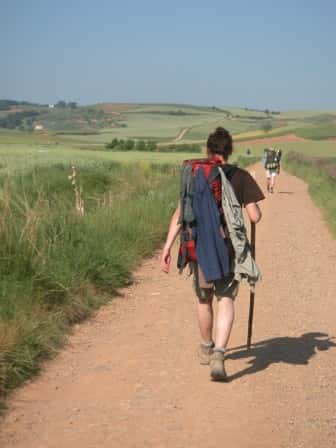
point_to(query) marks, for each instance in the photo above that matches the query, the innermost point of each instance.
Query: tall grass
(58, 266)
(320, 174)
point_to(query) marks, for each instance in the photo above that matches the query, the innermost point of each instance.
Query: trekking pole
(250, 320)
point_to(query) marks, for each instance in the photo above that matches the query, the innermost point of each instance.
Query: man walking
(271, 161)
(216, 272)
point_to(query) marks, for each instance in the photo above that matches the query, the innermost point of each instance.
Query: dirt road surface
(181, 134)
(288, 138)
(130, 376)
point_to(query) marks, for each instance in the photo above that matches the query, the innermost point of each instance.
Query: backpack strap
(229, 171)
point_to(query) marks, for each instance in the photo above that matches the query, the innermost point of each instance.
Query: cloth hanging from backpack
(211, 250)
(186, 214)
(244, 265)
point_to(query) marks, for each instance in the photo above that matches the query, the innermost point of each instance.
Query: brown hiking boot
(217, 369)
(204, 353)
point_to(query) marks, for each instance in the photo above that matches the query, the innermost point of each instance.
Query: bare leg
(224, 322)
(268, 183)
(205, 319)
(272, 181)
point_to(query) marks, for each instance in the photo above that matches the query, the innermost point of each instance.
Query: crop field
(320, 132)
(94, 126)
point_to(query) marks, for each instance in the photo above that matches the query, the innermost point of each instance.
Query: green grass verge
(57, 266)
(320, 174)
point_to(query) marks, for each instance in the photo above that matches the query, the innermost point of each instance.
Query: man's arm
(174, 229)
(253, 212)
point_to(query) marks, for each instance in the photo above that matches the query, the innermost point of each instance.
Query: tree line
(150, 145)
(131, 145)
(19, 120)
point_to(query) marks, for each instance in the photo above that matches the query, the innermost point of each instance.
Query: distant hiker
(278, 156)
(248, 152)
(213, 241)
(271, 161)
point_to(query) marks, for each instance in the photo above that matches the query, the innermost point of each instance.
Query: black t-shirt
(245, 187)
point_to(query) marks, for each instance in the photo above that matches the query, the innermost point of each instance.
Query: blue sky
(257, 53)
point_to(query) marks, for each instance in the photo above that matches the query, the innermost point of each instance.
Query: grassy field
(320, 174)
(321, 132)
(25, 155)
(94, 126)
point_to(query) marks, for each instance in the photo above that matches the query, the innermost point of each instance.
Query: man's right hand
(165, 260)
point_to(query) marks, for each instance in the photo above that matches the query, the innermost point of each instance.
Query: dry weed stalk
(79, 201)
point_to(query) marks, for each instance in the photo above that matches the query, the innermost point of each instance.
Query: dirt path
(288, 138)
(130, 377)
(181, 134)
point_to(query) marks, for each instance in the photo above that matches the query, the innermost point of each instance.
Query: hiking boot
(204, 353)
(217, 369)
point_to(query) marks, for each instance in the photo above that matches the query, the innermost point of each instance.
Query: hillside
(98, 124)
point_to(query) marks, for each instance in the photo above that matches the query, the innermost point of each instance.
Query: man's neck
(217, 157)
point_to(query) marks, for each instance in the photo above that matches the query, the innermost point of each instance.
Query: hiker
(278, 157)
(271, 161)
(221, 249)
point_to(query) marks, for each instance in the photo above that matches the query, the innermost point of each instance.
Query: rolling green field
(94, 126)
(25, 154)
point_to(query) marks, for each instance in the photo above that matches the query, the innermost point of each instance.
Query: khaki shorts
(271, 173)
(225, 287)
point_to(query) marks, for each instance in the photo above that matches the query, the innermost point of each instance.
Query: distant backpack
(187, 250)
(271, 159)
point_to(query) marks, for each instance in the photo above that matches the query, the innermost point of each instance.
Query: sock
(219, 349)
(208, 344)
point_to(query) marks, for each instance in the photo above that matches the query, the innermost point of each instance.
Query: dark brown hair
(220, 142)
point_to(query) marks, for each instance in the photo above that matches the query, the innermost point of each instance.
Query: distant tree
(129, 145)
(113, 144)
(141, 145)
(61, 104)
(121, 144)
(72, 104)
(151, 146)
(267, 127)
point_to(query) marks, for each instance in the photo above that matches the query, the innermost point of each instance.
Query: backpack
(271, 159)
(187, 249)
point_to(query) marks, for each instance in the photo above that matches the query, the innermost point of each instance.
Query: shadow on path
(290, 350)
